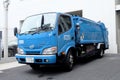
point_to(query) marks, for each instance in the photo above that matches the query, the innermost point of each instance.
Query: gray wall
(118, 30)
(117, 1)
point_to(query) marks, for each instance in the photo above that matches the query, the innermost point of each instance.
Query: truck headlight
(51, 50)
(20, 51)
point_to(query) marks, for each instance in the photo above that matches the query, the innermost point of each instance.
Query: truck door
(65, 32)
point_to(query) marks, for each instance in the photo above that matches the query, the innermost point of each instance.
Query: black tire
(69, 63)
(101, 53)
(35, 67)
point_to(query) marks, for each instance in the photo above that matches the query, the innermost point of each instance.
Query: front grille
(32, 52)
(35, 47)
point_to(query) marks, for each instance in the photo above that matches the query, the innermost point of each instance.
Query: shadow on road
(60, 69)
(49, 72)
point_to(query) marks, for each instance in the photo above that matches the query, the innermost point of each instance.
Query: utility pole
(5, 37)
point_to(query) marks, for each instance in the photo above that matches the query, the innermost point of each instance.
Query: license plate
(30, 60)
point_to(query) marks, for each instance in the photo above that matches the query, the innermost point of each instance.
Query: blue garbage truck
(59, 38)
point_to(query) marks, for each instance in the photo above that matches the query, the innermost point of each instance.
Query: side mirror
(77, 26)
(15, 31)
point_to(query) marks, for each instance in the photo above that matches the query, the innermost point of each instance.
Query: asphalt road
(106, 68)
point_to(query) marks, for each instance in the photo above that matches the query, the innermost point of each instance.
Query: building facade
(107, 11)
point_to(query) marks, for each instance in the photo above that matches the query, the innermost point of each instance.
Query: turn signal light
(63, 53)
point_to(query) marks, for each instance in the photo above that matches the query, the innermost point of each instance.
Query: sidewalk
(8, 63)
(7, 60)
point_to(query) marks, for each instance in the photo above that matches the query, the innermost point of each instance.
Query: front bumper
(36, 59)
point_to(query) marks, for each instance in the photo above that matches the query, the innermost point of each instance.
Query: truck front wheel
(69, 61)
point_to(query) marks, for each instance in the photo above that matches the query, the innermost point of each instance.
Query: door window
(64, 24)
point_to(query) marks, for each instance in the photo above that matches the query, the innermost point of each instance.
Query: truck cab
(46, 39)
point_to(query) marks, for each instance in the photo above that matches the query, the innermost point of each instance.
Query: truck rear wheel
(101, 53)
(35, 66)
(69, 61)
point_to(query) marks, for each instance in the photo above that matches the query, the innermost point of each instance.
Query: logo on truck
(31, 46)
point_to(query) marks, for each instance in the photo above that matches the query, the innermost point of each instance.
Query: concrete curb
(10, 65)
(7, 60)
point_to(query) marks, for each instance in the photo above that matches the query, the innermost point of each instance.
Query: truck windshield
(38, 23)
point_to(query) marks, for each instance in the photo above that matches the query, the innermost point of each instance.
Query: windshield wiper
(28, 32)
(46, 27)
(38, 29)
(31, 31)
